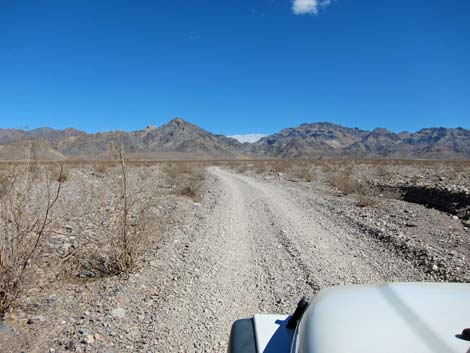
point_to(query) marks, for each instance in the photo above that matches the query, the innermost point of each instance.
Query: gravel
(256, 248)
(252, 245)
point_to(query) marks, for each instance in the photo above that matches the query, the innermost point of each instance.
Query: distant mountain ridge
(181, 138)
(176, 138)
(331, 140)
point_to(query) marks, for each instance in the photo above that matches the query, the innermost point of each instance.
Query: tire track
(253, 247)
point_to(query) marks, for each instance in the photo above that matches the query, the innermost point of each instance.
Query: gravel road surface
(253, 245)
(257, 247)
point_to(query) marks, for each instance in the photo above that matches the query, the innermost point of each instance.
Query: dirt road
(254, 244)
(258, 247)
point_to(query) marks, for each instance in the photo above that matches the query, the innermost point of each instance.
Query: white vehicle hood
(391, 318)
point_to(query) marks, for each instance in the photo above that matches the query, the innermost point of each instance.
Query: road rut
(254, 247)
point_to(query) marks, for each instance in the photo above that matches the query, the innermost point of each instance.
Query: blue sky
(234, 66)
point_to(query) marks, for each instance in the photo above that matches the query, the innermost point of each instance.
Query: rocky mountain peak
(380, 131)
(178, 122)
(312, 140)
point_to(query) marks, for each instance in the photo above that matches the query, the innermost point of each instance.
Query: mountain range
(179, 139)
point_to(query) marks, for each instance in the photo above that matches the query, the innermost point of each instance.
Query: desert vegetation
(368, 180)
(28, 198)
(80, 220)
(76, 233)
(185, 178)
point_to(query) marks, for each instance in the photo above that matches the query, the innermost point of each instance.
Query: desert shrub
(59, 174)
(259, 167)
(186, 178)
(102, 167)
(115, 244)
(280, 166)
(382, 171)
(344, 182)
(3, 185)
(327, 167)
(26, 217)
(32, 170)
(145, 172)
(194, 185)
(170, 172)
(242, 167)
(366, 201)
(301, 172)
(120, 226)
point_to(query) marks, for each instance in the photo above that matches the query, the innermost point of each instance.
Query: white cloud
(248, 137)
(311, 7)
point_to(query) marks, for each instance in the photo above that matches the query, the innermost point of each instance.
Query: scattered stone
(119, 313)
(70, 346)
(3, 327)
(86, 274)
(89, 339)
(35, 319)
